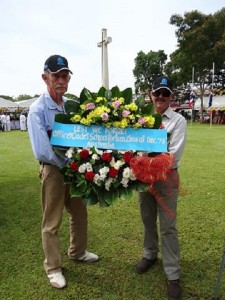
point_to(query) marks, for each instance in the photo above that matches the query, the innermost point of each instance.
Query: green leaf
(127, 95)
(142, 187)
(94, 150)
(158, 121)
(74, 192)
(85, 95)
(66, 178)
(125, 193)
(140, 101)
(101, 92)
(116, 92)
(62, 118)
(82, 185)
(100, 197)
(148, 109)
(90, 199)
(59, 151)
(72, 107)
(111, 196)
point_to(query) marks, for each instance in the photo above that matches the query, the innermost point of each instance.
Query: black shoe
(174, 290)
(144, 265)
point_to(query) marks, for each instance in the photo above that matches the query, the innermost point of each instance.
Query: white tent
(217, 102)
(26, 103)
(7, 104)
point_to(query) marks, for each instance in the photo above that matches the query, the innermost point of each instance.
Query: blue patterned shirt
(40, 122)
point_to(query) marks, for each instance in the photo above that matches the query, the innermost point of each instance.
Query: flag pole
(193, 75)
(212, 92)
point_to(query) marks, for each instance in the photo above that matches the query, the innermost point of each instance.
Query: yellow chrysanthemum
(116, 124)
(100, 99)
(132, 107)
(108, 124)
(85, 121)
(131, 117)
(150, 121)
(121, 124)
(76, 118)
(137, 125)
(124, 123)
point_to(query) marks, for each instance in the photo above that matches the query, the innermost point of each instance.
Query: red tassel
(152, 169)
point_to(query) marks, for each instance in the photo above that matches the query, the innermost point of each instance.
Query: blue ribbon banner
(101, 137)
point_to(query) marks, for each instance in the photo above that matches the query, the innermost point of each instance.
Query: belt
(44, 163)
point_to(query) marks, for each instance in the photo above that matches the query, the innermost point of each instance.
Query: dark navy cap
(56, 63)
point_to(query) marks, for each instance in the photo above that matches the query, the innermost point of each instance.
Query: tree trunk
(201, 110)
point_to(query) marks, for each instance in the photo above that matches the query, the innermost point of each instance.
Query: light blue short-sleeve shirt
(40, 122)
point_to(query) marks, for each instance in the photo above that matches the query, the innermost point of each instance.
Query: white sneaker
(57, 280)
(88, 257)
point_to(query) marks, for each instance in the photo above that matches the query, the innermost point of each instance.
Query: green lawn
(115, 233)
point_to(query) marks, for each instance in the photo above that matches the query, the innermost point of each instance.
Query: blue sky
(31, 31)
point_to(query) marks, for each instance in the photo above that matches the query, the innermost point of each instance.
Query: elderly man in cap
(55, 194)
(175, 124)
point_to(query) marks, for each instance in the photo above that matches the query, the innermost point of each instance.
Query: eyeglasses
(164, 93)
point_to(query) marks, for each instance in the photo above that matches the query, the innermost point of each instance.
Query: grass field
(115, 233)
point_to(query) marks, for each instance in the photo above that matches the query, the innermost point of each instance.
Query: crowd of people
(5, 123)
(9, 121)
(214, 116)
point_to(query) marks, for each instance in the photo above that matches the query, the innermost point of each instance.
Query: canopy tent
(217, 102)
(7, 104)
(26, 103)
(222, 108)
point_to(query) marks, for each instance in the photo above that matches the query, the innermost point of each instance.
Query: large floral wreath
(102, 176)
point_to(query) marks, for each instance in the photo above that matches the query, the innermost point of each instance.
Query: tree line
(26, 97)
(198, 61)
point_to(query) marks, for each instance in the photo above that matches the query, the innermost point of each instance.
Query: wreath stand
(219, 278)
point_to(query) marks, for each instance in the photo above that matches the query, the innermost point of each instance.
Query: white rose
(126, 173)
(70, 152)
(82, 168)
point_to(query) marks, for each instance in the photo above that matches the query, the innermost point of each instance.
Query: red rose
(74, 166)
(84, 154)
(89, 176)
(127, 157)
(106, 157)
(113, 172)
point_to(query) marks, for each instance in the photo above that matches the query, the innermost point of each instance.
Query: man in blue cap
(150, 209)
(55, 194)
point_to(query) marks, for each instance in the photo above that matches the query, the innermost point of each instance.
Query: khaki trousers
(55, 196)
(150, 209)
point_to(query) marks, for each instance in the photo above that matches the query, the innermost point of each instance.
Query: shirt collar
(52, 104)
(168, 113)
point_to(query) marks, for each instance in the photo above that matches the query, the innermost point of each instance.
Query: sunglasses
(164, 93)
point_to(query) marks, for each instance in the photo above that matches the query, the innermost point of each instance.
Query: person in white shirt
(3, 121)
(23, 125)
(8, 123)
